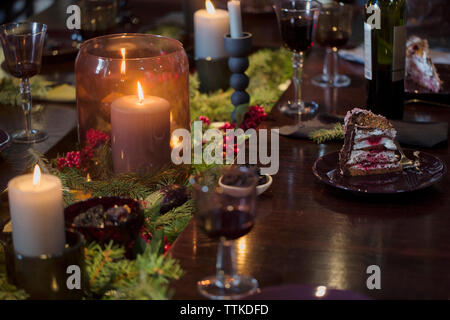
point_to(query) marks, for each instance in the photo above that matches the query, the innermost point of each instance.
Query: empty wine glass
(333, 32)
(226, 213)
(22, 45)
(297, 20)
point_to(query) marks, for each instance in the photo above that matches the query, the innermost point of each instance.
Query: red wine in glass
(297, 20)
(23, 69)
(297, 34)
(225, 213)
(228, 224)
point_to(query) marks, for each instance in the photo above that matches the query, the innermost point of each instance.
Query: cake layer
(360, 156)
(361, 134)
(419, 66)
(375, 143)
(361, 170)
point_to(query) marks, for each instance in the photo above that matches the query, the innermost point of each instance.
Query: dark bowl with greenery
(123, 232)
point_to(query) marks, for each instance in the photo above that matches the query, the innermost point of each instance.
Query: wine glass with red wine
(333, 32)
(22, 45)
(225, 212)
(297, 20)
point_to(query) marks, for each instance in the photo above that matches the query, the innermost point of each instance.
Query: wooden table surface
(308, 233)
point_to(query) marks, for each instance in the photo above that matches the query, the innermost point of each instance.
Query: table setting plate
(429, 171)
(304, 292)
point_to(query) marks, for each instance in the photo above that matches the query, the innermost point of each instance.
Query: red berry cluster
(147, 237)
(229, 145)
(227, 125)
(253, 117)
(71, 160)
(94, 138)
(205, 120)
(75, 159)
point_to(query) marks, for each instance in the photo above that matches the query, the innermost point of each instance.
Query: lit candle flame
(37, 176)
(209, 6)
(140, 92)
(122, 66)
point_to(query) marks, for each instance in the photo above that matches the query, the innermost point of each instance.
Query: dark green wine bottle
(385, 50)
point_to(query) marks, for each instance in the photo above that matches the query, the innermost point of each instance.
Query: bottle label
(399, 53)
(367, 51)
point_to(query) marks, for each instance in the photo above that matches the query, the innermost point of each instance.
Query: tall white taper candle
(234, 10)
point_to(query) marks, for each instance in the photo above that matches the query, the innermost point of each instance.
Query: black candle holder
(45, 277)
(239, 49)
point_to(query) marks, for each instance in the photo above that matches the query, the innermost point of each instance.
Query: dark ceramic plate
(5, 139)
(430, 171)
(304, 292)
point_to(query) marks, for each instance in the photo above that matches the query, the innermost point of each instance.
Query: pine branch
(35, 157)
(112, 276)
(323, 135)
(268, 69)
(172, 222)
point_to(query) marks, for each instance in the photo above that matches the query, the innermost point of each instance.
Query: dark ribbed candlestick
(238, 49)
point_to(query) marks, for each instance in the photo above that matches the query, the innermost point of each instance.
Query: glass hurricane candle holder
(109, 67)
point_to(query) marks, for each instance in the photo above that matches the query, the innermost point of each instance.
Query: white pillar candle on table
(37, 214)
(234, 10)
(140, 133)
(210, 27)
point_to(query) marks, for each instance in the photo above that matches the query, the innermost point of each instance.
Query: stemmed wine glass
(333, 32)
(226, 213)
(22, 45)
(297, 20)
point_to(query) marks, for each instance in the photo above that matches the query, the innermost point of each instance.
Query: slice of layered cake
(419, 66)
(369, 146)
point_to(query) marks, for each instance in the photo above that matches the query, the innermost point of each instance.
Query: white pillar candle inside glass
(37, 214)
(140, 133)
(234, 9)
(210, 27)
